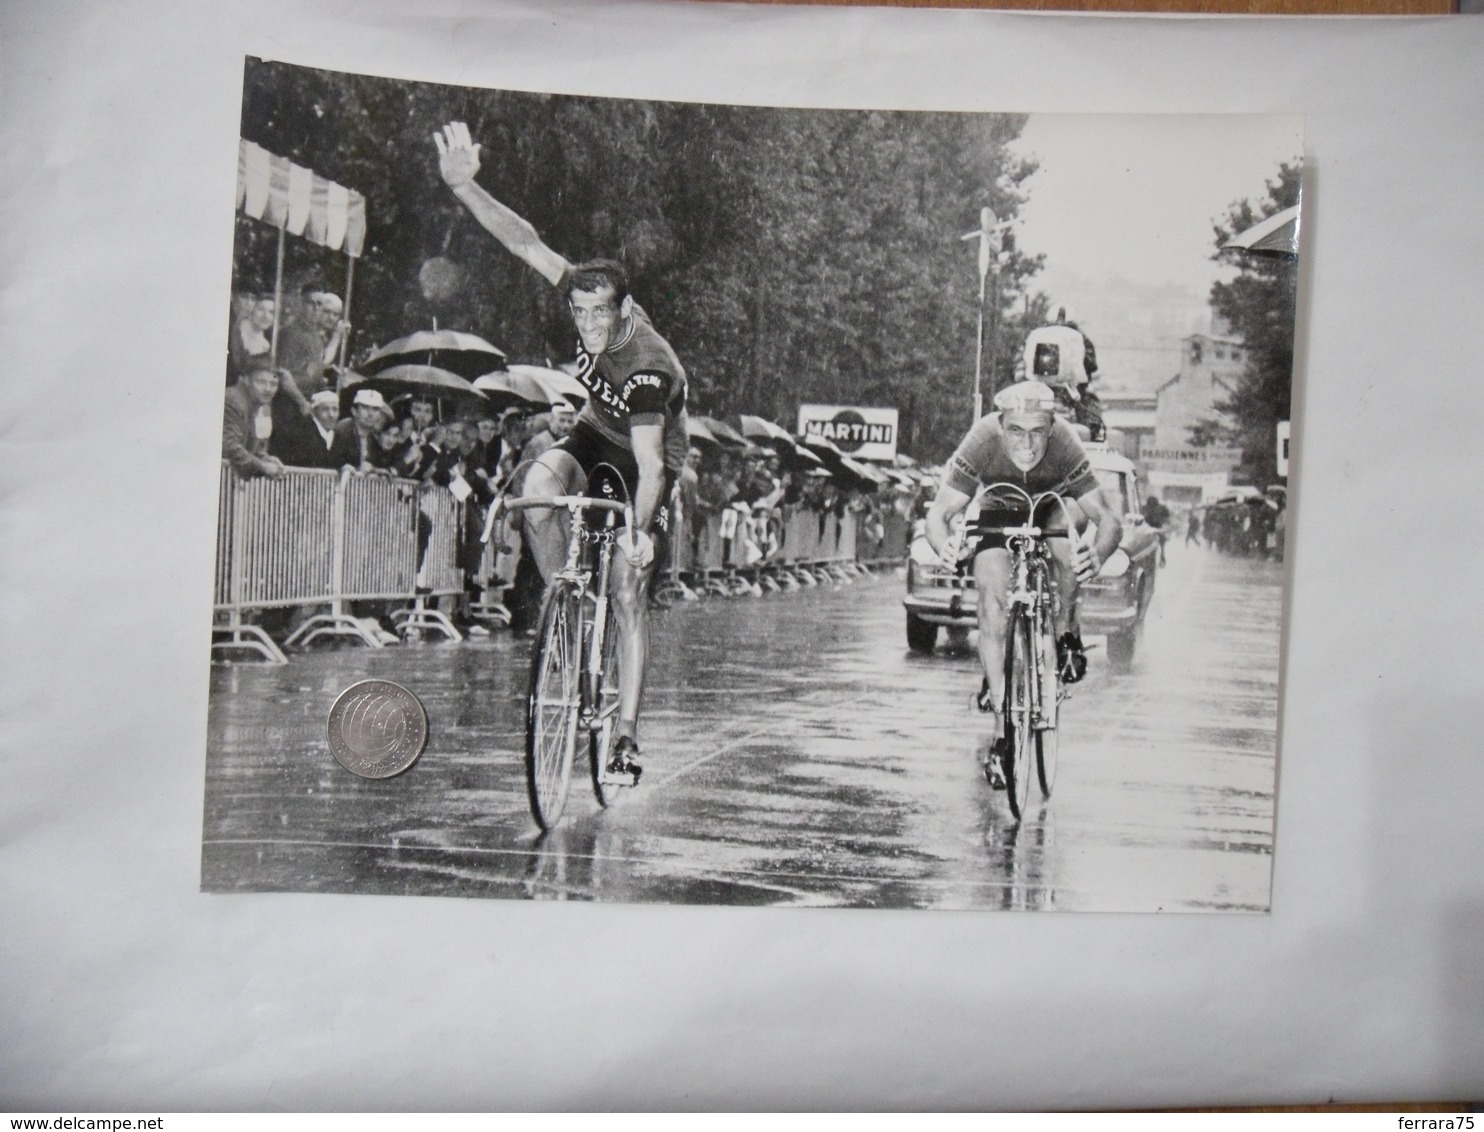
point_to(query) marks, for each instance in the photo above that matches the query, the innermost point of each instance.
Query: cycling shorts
(613, 473)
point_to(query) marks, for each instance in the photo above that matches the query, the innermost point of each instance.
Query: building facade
(1181, 473)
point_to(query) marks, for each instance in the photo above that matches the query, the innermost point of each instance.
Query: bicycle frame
(587, 572)
(1033, 589)
(587, 577)
(1030, 707)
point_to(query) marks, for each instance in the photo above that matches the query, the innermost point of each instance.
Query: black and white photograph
(695, 503)
(374, 754)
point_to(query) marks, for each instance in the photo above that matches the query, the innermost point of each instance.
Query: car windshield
(1113, 494)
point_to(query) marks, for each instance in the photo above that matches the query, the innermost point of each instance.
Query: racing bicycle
(574, 657)
(1033, 690)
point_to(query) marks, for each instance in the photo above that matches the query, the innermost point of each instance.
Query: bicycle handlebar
(571, 502)
(574, 503)
(1032, 501)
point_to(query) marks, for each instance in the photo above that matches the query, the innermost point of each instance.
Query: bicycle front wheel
(554, 704)
(1020, 698)
(605, 705)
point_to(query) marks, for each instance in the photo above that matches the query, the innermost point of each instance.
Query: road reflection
(795, 753)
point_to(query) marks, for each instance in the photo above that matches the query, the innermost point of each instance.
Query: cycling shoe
(994, 770)
(1071, 660)
(624, 759)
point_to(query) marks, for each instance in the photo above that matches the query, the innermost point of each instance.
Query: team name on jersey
(587, 373)
(638, 380)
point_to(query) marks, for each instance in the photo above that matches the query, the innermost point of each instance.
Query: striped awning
(288, 196)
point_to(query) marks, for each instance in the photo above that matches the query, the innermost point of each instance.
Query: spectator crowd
(1251, 527)
(300, 407)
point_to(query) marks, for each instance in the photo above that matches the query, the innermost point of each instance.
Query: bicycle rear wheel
(554, 704)
(1046, 737)
(1015, 752)
(605, 707)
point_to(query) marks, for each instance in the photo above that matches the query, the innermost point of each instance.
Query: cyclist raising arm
(634, 419)
(1024, 443)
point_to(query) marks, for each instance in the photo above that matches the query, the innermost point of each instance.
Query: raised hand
(458, 154)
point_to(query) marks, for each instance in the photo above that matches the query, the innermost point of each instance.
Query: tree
(788, 255)
(1260, 304)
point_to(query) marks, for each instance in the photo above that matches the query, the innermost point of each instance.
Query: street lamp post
(988, 235)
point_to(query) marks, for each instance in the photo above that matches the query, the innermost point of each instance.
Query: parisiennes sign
(870, 434)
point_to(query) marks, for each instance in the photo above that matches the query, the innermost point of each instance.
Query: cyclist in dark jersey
(634, 421)
(1024, 443)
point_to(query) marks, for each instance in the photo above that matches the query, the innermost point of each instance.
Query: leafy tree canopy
(788, 255)
(1260, 304)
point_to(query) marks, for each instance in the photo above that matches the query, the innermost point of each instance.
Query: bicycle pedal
(619, 778)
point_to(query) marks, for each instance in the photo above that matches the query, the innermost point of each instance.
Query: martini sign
(867, 434)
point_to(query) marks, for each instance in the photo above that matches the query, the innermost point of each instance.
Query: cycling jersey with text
(640, 381)
(982, 458)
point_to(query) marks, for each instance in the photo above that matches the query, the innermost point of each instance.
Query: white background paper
(121, 986)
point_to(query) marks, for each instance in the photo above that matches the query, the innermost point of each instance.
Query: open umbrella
(799, 457)
(766, 433)
(863, 471)
(1277, 236)
(521, 386)
(724, 433)
(757, 428)
(826, 450)
(466, 355)
(430, 381)
(563, 383)
(699, 434)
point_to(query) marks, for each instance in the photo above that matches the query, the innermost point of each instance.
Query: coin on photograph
(377, 728)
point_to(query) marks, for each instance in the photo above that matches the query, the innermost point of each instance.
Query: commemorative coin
(377, 729)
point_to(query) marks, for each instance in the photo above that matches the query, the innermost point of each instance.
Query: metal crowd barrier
(314, 538)
(322, 538)
(812, 547)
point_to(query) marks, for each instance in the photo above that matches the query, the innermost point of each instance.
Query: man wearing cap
(355, 445)
(1024, 443)
(313, 449)
(633, 422)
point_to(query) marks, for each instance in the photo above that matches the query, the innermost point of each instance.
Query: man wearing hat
(354, 445)
(1024, 443)
(313, 447)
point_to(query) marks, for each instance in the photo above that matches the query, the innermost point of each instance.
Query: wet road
(795, 753)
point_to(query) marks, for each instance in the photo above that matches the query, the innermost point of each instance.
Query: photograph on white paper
(714, 504)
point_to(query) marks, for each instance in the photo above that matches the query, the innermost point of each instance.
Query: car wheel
(922, 636)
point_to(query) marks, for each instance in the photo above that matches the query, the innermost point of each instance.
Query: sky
(1122, 206)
